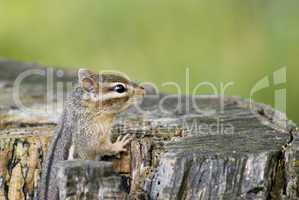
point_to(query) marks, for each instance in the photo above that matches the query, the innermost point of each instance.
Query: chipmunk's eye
(119, 88)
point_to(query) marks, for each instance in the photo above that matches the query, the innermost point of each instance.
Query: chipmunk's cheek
(124, 103)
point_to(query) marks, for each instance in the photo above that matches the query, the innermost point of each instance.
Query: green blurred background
(219, 41)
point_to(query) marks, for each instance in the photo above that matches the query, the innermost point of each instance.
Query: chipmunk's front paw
(121, 142)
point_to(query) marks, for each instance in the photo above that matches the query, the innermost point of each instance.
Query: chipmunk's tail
(48, 189)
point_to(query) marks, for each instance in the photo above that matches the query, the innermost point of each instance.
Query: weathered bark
(205, 148)
(79, 179)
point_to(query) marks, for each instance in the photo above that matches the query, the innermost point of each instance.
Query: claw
(119, 138)
(125, 138)
(121, 142)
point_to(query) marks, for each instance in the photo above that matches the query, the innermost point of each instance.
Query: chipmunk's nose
(140, 91)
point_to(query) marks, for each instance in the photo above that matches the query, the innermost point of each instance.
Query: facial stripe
(112, 95)
(110, 102)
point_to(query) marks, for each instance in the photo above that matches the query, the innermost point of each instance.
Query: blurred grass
(219, 41)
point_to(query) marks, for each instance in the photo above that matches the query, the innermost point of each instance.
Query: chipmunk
(84, 131)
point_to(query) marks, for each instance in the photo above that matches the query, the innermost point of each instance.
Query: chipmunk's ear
(87, 79)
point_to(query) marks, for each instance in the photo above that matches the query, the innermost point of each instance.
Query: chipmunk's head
(109, 93)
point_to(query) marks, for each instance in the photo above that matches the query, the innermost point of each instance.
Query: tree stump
(206, 147)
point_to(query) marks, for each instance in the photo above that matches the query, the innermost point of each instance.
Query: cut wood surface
(207, 147)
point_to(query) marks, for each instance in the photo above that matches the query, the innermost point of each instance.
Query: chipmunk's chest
(95, 131)
(96, 128)
(90, 136)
